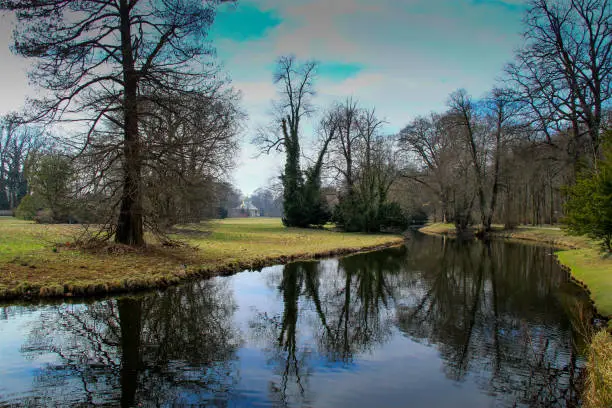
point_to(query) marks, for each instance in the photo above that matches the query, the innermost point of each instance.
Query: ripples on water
(437, 323)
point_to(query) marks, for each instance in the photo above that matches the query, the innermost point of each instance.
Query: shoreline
(130, 285)
(538, 236)
(560, 242)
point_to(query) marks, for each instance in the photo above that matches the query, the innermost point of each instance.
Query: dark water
(434, 324)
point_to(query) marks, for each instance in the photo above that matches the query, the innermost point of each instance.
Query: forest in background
(156, 140)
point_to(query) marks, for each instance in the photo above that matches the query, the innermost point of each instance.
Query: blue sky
(402, 57)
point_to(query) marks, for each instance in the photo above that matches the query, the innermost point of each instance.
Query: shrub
(44, 216)
(349, 214)
(28, 207)
(222, 212)
(418, 217)
(353, 215)
(390, 215)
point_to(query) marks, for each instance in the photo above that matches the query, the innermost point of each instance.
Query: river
(436, 323)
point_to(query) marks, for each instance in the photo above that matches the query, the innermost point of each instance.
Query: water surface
(436, 323)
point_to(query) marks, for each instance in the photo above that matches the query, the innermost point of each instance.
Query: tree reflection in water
(493, 312)
(173, 347)
(497, 315)
(494, 317)
(350, 304)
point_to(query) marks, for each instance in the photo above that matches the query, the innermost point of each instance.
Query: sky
(401, 57)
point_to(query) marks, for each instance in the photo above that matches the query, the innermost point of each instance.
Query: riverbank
(582, 256)
(42, 260)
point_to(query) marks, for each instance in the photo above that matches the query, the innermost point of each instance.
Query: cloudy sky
(402, 57)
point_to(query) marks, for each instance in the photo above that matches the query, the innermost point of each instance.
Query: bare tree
(432, 153)
(268, 204)
(188, 149)
(102, 61)
(375, 161)
(563, 73)
(366, 163)
(501, 113)
(463, 110)
(346, 142)
(484, 152)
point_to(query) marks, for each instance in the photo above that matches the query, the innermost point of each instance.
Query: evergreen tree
(589, 206)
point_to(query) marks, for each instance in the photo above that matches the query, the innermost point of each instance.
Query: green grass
(21, 237)
(593, 269)
(439, 228)
(240, 239)
(35, 260)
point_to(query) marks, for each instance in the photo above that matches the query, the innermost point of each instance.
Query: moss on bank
(40, 260)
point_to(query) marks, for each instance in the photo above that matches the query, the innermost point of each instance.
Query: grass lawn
(39, 260)
(583, 256)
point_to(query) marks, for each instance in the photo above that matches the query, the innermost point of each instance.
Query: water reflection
(345, 306)
(495, 317)
(172, 347)
(280, 334)
(498, 316)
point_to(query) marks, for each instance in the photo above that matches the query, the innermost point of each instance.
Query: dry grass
(39, 260)
(598, 388)
(554, 236)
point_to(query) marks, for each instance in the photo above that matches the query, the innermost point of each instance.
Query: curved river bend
(437, 323)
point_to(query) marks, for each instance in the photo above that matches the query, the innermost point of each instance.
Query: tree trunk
(493, 202)
(129, 319)
(130, 225)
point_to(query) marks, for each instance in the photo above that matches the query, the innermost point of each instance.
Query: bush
(418, 217)
(44, 216)
(87, 210)
(391, 216)
(353, 215)
(28, 207)
(303, 204)
(315, 211)
(349, 214)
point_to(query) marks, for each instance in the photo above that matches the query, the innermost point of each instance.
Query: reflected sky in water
(435, 323)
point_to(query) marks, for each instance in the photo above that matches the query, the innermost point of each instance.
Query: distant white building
(246, 209)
